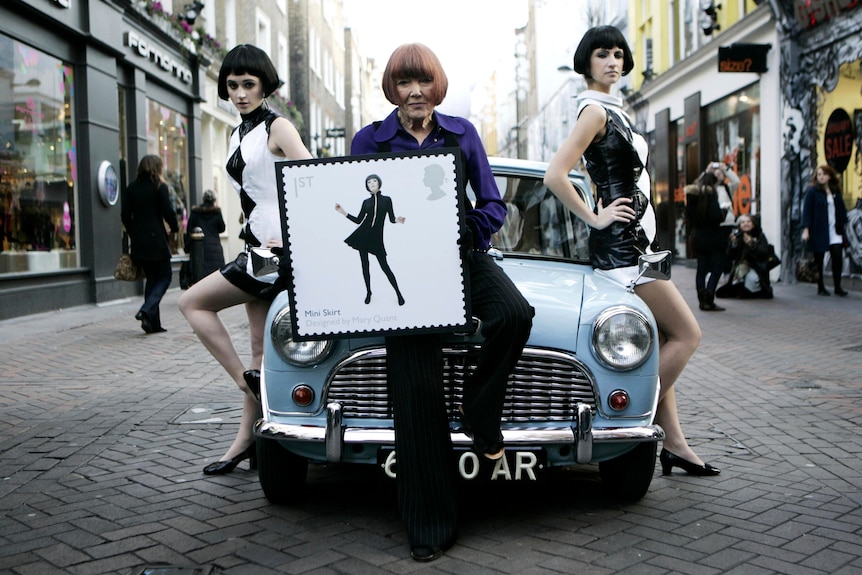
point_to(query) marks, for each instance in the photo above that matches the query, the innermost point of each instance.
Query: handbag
(127, 270)
(806, 268)
(772, 261)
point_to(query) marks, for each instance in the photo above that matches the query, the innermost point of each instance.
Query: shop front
(86, 90)
(718, 105)
(822, 112)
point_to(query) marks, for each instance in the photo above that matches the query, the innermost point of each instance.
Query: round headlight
(622, 338)
(301, 353)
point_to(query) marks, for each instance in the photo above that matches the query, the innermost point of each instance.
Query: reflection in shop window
(167, 137)
(38, 221)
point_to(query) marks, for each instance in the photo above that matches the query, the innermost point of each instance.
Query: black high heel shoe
(251, 451)
(252, 380)
(669, 461)
(225, 467)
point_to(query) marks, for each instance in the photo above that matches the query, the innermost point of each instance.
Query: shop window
(38, 220)
(732, 136)
(167, 137)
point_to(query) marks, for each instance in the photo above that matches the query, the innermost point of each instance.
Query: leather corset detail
(615, 168)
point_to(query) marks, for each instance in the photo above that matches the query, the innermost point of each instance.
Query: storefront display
(733, 138)
(37, 161)
(167, 137)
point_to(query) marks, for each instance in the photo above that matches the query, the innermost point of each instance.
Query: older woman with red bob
(414, 81)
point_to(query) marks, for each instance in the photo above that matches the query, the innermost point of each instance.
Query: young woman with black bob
(623, 222)
(246, 78)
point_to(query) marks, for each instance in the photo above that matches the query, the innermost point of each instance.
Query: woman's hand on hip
(619, 210)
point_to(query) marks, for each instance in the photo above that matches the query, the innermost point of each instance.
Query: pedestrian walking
(208, 217)
(146, 209)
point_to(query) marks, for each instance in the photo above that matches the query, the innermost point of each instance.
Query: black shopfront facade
(86, 90)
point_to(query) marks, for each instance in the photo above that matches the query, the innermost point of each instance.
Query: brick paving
(104, 432)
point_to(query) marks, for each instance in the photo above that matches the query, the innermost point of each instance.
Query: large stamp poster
(372, 243)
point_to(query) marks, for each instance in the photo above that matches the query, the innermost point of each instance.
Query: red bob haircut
(410, 61)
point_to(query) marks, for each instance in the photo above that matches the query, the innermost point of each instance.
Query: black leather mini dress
(615, 168)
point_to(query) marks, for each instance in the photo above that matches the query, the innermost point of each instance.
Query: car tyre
(281, 472)
(628, 477)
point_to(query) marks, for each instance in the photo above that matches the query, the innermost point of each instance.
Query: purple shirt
(489, 210)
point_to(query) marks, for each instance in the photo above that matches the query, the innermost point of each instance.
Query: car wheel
(281, 472)
(627, 477)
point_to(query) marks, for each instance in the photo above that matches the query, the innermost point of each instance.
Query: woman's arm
(590, 125)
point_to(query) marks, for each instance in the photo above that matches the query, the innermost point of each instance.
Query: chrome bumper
(581, 436)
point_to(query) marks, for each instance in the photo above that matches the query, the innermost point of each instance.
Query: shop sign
(838, 140)
(743, 58)
(143, 48)
(811, 13)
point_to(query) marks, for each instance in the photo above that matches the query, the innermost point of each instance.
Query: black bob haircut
(373, 177)
(606, 37)
(251, 60)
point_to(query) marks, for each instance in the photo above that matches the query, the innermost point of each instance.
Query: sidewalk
(104, 431)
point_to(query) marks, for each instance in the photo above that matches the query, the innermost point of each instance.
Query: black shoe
(146, 325)
(708, 303)
(224, 467)
(252, 380)
(425, 553)
(491, 450)
(823, 291)
(252, 457)
(400, 300)
(368, 298)
(669, 461)
(840, 292)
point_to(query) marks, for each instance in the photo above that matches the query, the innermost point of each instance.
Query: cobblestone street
(104, 431)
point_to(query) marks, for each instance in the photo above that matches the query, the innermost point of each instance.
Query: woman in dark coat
(368, 237)
(146, 208)
(710, 242)
(824, 216)
(208, 217)
(749, 251)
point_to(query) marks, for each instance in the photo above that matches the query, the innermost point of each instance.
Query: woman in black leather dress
(623, 224)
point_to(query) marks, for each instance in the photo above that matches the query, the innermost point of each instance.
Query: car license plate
(517, 465)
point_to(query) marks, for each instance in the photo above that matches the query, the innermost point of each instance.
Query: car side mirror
(656, 265)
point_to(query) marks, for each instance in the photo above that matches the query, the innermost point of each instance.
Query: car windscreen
(537, 222)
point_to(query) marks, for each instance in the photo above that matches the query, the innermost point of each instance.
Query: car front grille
(545, 385)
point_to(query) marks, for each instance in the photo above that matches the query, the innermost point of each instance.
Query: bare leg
(200, 306)
(680, 336)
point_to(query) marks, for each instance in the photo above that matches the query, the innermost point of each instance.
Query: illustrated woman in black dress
(368, 237)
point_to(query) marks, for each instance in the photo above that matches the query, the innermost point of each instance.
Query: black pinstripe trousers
(425, 465)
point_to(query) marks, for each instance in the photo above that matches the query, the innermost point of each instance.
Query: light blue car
(584, 391)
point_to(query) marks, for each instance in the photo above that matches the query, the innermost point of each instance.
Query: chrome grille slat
(545, 385)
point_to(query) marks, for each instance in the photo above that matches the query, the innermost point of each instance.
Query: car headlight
(622, 338)
(301, 353)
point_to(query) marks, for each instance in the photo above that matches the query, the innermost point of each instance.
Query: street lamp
(522, 85)
(192, 11)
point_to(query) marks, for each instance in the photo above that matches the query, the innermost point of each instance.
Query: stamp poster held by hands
(373, 244)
